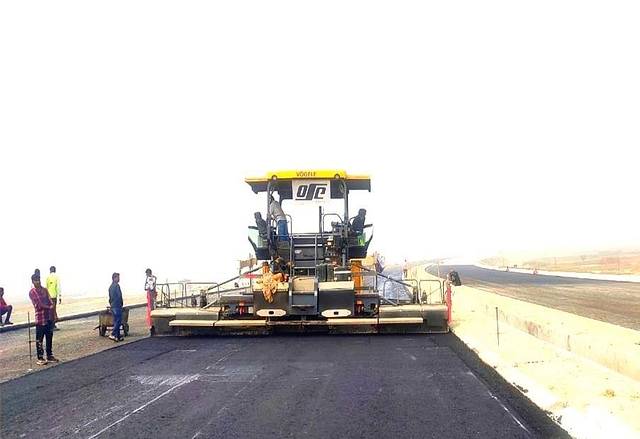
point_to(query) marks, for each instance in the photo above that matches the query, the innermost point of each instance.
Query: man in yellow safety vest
(53, 286)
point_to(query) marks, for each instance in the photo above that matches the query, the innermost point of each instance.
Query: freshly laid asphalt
(409, 386)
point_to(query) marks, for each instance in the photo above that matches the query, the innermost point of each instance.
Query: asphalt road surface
(613, 302)
(392, 386)
(311, 386)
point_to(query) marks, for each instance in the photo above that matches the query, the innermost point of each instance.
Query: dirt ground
(608, 261)
(76, 338)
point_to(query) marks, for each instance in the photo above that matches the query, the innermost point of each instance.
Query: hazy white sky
(127, 128)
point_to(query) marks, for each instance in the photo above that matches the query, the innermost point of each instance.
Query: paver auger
(306, 281)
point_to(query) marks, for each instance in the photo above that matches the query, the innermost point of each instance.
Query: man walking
(116, 304)
(150, 287)
(53, 287)
(44, 320)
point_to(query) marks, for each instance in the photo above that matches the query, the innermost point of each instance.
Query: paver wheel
(103, 330)
(125, 327)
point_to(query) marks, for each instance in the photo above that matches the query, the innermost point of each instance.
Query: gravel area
(76, 338)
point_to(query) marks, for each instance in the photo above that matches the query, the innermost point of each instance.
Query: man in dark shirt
(44, 320)
(454, 277)
(261, 224)
(116, 304)
(357, 223)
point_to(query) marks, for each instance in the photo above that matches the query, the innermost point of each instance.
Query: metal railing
(165, 298)
(434, 293)
(196, 294)
(423, 291)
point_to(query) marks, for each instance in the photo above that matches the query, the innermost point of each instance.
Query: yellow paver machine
(313, 271)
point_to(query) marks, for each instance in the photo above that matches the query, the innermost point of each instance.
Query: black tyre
(103, 330)
(125, 327)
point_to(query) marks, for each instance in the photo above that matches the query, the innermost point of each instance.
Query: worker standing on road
(152, 294)
(53, 287)
(405, 269)
(116, 304)
(44, 320)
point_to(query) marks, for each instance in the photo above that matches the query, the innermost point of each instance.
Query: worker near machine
(44, 320)
(280, 218)
(116, 304)
(53, 287)
(280, 269)
(261, 224)
(357, 222)
(152, 294)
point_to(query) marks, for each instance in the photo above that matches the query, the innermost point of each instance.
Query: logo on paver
(306, 191)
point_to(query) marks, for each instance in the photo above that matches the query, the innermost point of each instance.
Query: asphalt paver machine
(314, 275)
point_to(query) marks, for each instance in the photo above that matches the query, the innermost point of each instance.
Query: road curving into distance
(613, 302)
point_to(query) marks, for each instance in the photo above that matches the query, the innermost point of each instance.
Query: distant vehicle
(310, 280)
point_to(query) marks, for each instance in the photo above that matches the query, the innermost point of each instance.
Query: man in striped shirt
(44, 320)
